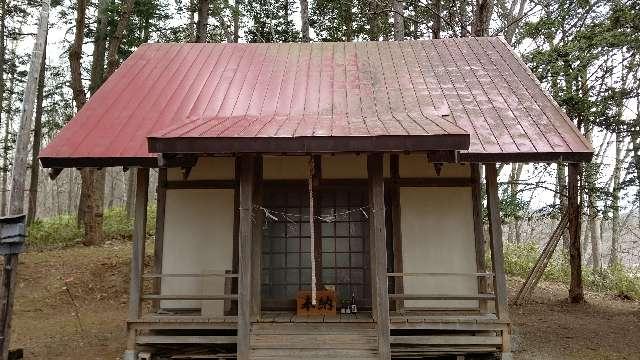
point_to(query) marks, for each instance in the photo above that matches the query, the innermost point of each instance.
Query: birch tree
(16, 204)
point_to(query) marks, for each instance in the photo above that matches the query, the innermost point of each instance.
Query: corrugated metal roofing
(413, 95)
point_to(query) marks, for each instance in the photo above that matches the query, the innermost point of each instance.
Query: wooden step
(313, 341)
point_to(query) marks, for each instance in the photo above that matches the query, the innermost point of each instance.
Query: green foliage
(519, 259)
(59, 231)
(62, 231)
(270, 21)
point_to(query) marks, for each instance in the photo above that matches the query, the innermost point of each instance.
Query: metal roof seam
(514, 127)
(539, 90)
(518, 104)
(213, 95)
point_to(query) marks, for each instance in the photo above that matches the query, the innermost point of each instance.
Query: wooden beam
(201, 184)
(576, 292)
(378, 249)
(433, 182)
(478, 232)
(497, 260)
(137, 257)
(158, 248)
(247, 169)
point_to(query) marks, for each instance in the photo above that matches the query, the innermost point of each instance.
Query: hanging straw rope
(312, 233)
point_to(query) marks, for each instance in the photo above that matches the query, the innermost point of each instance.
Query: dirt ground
(72, 304)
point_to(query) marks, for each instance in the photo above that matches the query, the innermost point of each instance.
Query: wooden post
(396, 219)
(378, 250)
(158, 249)
(478, 232)
(247, 169)
(9, 275)
(576, 293)
(137, 257)
(256, 249)
(497, 260)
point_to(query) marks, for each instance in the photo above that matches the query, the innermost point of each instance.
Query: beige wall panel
(344, 166)
(208, 168)
(198, 238)
(437, 237)
(416, 165)
(285, 167)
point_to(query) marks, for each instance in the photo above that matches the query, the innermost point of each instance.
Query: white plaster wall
(344, 166)
(416, 165)
(437, 237)
(208, 168)
(285, 167)
(198, 238)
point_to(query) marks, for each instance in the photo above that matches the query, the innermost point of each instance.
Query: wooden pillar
(497, 260)
(161, 200)
(9, 278)
(246, 176)
(256, 249)
(576, 293)
(137, 258)
(396, 219)
(378, 250)
(478, 232)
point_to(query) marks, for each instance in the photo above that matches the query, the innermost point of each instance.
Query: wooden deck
(285, 335)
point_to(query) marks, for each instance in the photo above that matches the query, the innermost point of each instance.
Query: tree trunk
(513, 20)
(87, 207)
(203, 20)
(482, 17)
(92, 223)
(437, 21)
(561, 185)
(99, 47)
(37, 140)
(192, 21)
(5, 146)
(3, 8)
(16, 203)
(236, 21)
(614, 258)
(463, 17)
(112, 191)
(304, 20)
(118, 35)
(592, 210)
(397, 7)
(131, 192)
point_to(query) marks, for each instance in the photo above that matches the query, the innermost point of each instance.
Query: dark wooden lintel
(201, 184)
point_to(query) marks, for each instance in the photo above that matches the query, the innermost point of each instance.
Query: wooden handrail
(489, 275)
(190, 297)
(217, 274)
(441, 297)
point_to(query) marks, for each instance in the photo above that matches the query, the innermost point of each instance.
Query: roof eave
(308, 144)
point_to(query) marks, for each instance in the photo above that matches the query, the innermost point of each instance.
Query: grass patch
(619, 280)
(62, 231)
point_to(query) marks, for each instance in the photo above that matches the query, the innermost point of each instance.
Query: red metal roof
(471, 93)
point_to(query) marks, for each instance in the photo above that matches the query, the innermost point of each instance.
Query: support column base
(130, 355)
(506, 356)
